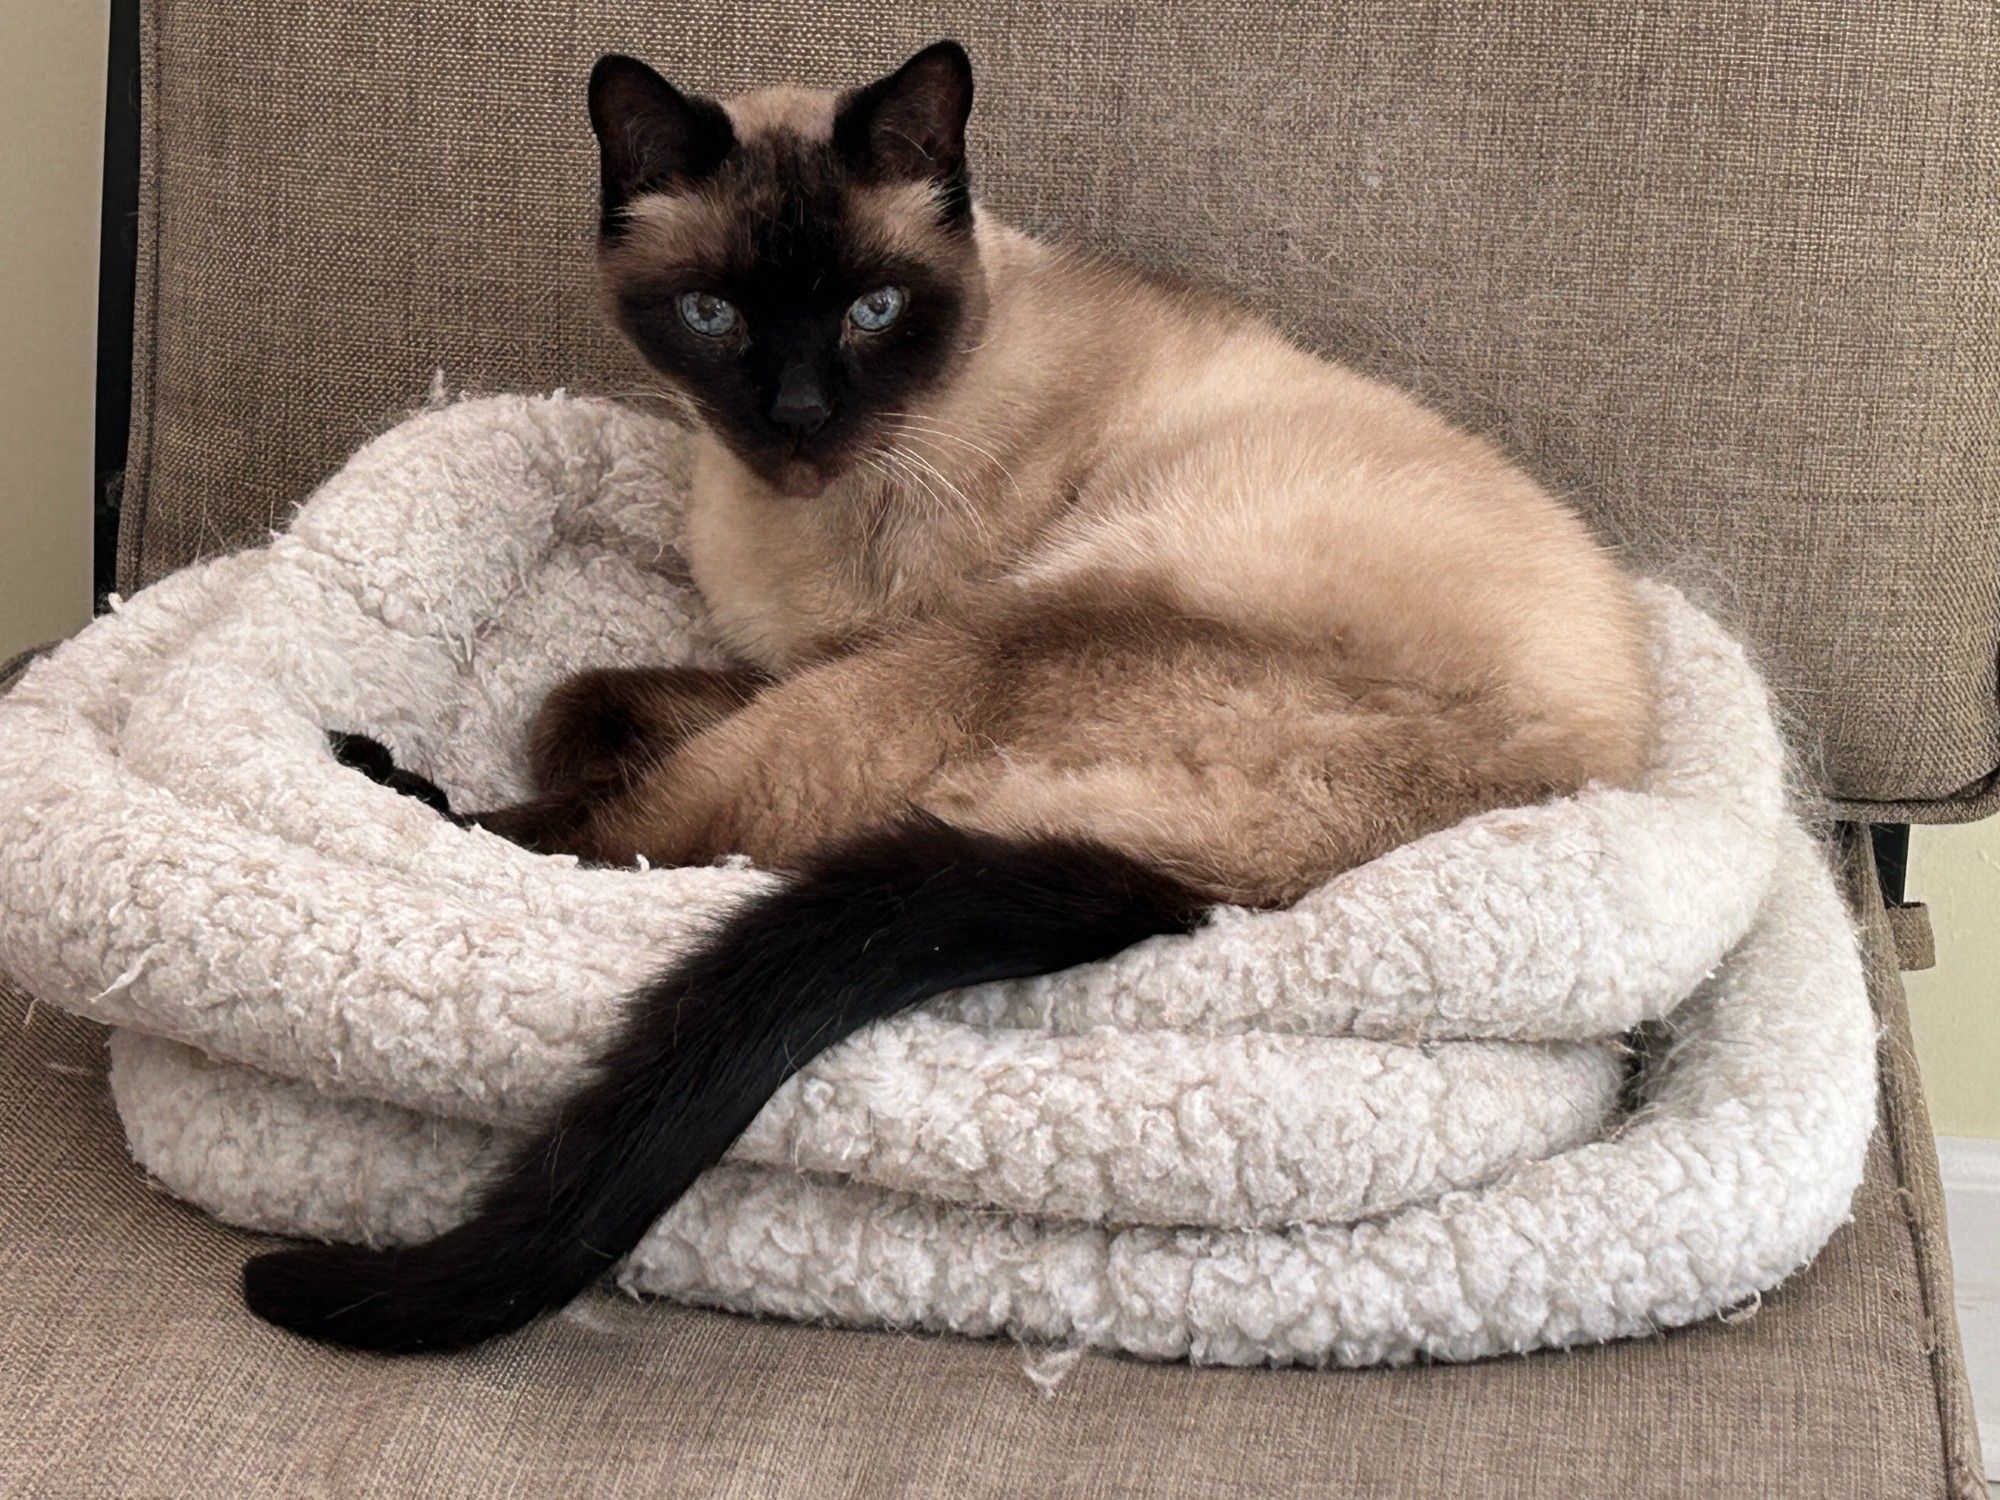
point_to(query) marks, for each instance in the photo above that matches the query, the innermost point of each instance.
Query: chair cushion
(1727, 273)
(134, 1369)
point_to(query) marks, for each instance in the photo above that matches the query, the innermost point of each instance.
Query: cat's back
(1261, 484)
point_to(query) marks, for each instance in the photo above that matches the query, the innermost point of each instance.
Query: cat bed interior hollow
(1402, 1118)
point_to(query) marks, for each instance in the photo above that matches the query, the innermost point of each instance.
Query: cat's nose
(801, 407)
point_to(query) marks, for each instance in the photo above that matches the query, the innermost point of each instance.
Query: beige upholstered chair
(1727, 273)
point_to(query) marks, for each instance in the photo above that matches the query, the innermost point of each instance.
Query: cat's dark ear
(651, 138)
(910, 126)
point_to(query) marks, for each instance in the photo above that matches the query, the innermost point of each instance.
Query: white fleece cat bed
(1392, 1122)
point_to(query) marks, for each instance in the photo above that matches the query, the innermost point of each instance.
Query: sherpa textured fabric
(1385, 1123)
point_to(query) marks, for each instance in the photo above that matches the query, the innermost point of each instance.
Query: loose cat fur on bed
(1069, 605)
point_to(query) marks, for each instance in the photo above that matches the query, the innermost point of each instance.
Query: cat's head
(801, 264)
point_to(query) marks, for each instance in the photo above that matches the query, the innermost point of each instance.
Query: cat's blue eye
(708, 315)
(874, 311)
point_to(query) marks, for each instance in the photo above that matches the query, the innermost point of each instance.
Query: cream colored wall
(51, 118)
(1955, 1007)
(51, 142)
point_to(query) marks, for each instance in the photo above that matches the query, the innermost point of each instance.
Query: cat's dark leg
(603, 730)
(550, 824)
(358, 752)
(833, 751)
(372, 759)
(546, 824)
(554, 823)
(596, 737)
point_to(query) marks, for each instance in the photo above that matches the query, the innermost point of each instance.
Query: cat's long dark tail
(869, 930)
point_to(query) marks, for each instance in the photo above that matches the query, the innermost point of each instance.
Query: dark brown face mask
(794, 333)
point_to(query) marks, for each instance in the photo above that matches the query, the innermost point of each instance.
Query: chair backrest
(1728, 275)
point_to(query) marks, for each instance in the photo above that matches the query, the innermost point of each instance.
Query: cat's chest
(784, 585)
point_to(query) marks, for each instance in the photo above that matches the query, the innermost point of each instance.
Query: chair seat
(133, 1369)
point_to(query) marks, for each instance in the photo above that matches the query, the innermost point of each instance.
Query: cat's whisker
(915, 424)
(913, 434)
(941, 489)
(940, 507)
(879, 517)
(681, 404)
(908, 481)
(914, 437)
(966, 503)
(980, 458)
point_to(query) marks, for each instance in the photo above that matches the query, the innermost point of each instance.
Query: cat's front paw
(602, 730)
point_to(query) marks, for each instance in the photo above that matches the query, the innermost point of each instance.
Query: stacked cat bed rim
(1382, 1124)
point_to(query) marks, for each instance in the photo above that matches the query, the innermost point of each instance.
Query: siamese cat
(1069, 605)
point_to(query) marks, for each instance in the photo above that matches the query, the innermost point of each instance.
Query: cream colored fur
(1283, 617)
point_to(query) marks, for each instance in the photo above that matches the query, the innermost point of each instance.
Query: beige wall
(1956, 1006)
(51, 111)
(51, 132)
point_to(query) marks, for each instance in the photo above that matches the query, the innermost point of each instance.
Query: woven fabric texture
(1727, 274)
(131, 1369)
